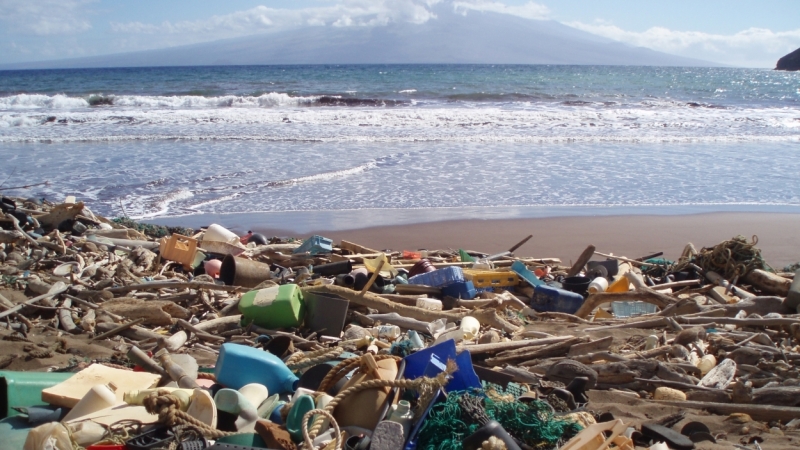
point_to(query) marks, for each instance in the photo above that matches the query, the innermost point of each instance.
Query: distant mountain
(790, 61)
(451, 38)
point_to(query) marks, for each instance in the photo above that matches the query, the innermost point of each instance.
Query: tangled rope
(346, 367)
(424, 385)
(337, 432)
(309, 359)
(732, 258)
(167, 407)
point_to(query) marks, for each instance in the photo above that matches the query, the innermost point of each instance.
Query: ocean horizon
(342, 145)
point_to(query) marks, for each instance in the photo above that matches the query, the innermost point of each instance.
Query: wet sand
(566, 237)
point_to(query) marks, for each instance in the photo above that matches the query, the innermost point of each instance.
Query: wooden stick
(477, 349)
(631, 261)
(519, 244)
(54, 290)
(24, 234)
(763, 413)
(200, 333)
(370, 300)
(582, 260)
(169, 284)
(118, 329)
(373, 277)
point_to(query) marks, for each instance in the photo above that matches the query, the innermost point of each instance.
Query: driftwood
(112, 330)
(719, 280)
(65, 318)
(173, 285)
(764, 413)
(52, 292)
(581, 261)
(155, 312)
(173, 343)
(521, 375)
(199, 333)
(485, 317)
(550, 351)
(477, 349)
(590, 347)
(221, 324)
(402, 322)
(769, 282)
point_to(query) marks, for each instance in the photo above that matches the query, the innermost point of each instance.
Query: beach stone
(567, 370)
(690, 335)
(666, 393)
(388, 435)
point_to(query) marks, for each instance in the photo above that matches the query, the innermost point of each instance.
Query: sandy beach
(566, 237)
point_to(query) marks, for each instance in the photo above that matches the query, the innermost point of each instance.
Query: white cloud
(261, 18)
(530, 10)
(45, 17)
(754, 47)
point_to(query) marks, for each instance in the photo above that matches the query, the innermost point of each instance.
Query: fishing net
(732, 258)
(154, 231)
(462, 413)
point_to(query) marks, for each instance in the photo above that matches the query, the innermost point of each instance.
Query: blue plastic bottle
(239, 365)
(547, 298)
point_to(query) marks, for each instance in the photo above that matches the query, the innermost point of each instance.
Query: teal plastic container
(273, 307)
(239, 365)
(25, 389)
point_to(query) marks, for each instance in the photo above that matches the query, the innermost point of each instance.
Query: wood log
(477, 349)
(485, 317)
(581, 261)
(747, 322)
(521, 375)
(769, 283)
(200, 334)
(65, 318)
(719, 280)
(590, 347)
(406, 323)
(52, 292)
(173, 285)
(551, 350)
(763, 413)
(220, 325)
(659, 322)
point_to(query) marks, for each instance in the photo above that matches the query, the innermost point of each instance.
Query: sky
(734, 32)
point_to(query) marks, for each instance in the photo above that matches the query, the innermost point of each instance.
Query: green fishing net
(531, 423)
(154, 231)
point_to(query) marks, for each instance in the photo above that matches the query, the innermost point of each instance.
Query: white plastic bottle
(99, 397)
(599, 284)
(402, 414)
(471, 327)
(390, 332)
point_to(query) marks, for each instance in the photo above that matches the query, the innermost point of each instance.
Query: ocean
(341, 147)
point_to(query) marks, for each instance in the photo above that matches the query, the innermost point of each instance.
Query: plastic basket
(632, 309)
(491, 278)
(439, 278)
(178, 248)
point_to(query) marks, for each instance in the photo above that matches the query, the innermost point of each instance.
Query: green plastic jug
(273, 307)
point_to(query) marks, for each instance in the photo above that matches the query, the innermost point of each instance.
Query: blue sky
(735, 32)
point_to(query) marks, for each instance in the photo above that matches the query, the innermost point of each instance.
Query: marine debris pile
(128, 336)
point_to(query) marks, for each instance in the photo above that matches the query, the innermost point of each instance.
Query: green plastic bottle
(273, 307)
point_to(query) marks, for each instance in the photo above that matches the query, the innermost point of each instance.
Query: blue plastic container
(550, 299)
(463, 289)
(440, 277)
(522, 270)
(315, 245)
(433, 360)
(239, 365)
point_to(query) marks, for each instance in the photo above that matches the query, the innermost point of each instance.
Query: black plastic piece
(578, 389)
(158, 437)
(493, 428)
(671, 437)
(258, 238)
